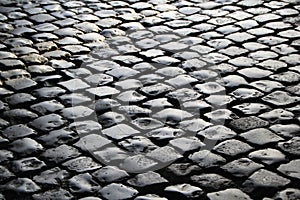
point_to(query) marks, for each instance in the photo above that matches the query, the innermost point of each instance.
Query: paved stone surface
(159, 99)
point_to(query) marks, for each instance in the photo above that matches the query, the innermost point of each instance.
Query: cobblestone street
(149, 100)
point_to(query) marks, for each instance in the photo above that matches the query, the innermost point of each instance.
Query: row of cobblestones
(207, 89)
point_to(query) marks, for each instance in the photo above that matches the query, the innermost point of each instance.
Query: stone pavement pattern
(252, 44)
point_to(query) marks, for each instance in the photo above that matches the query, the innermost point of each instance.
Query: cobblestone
(193, 99)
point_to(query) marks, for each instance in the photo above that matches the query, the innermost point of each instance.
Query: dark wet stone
(291, 146)
(206, 159)
(248, 123)
(18, 131)
(147, 179)
(280, 98)
(232, 147)
(185, 190)
(23, 185)
(258, 180)
(231, 193)
(19, 116)
(266, 85)
(27, 165)
(242, 167)
(60, 153)
(119, 131)
(5, 174)
(286, 130)
(52, 176)
(54, 194)
(212, 182)
(48, 122)
(81, 164)
(83, 183)
(268, 156)
(251, 108)
(116, 191)
(21, 83)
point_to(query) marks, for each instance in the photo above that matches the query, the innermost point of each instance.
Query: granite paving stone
(156, 99)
